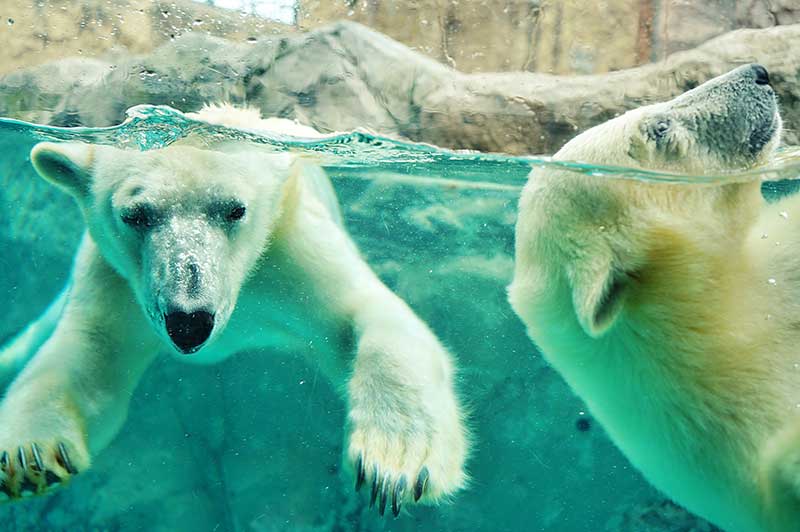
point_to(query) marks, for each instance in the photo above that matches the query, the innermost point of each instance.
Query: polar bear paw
(40, 449)
(407, 454)
(35, 468)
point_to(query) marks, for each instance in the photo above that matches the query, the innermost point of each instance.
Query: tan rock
(345, 76)
(552, 36)
(32, 33)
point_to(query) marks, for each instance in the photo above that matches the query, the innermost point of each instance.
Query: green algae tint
(255, 442)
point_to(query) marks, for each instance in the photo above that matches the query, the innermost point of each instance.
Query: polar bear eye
(660, 129)
(139, 216)
(236, 213)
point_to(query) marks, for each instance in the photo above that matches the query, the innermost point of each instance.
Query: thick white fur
(694, 371)
(292, 278)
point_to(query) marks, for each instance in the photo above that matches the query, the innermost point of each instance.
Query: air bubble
(10, 21)
(784, 214)
(772, 281)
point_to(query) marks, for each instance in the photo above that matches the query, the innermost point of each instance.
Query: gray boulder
(345, 76)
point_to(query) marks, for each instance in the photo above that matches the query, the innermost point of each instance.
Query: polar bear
(674, 310)
(203, 251)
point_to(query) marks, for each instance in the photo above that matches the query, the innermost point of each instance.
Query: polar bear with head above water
(674, 310)
(204, 251)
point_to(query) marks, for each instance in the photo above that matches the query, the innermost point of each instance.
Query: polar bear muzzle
(734, 116)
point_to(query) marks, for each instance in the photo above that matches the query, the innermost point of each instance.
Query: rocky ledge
(345, 75)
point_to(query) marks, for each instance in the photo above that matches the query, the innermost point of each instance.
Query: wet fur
(293, 280)
(691, 363)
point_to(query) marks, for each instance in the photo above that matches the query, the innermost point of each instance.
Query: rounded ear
(67, 165)
(598, 295)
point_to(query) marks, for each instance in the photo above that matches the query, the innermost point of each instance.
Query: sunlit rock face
(345, 76)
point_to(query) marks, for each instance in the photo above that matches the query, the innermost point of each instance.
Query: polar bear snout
(189, 330)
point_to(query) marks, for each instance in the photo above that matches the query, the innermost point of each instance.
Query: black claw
(359, 472)
(397, 495)
(376, 480)
(38, 465)
(5, 461)
(384, 494)
(51, 478)
(5, 488)
(422, 483)
(23, 460)
(65, 461)
(28, 485)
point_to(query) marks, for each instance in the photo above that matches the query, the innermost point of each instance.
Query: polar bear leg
(72, 397)
(407, 440)
(19, 349)
(407, 437)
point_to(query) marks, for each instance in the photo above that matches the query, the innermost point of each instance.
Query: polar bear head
(585, 243)
(183, 225)
(728, 123)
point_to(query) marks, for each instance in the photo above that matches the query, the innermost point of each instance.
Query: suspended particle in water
(197, 22)
(10, 21)
(784, 214)
(772, 281)
(583, 424)
(764, 236)
(252, 40)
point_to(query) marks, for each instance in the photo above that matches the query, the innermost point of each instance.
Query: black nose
(762, 76)
(189, 331)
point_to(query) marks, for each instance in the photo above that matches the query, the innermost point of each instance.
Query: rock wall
(553, 36)
(344, 76)
(35, 32)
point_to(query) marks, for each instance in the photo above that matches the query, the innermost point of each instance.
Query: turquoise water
(255, 443)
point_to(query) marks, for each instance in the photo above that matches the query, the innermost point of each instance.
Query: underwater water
(255, 443)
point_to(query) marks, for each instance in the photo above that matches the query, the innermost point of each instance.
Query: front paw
(39, 453)
(407, 449)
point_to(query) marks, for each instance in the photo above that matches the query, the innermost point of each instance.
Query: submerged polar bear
(674, 310)
(206, 252)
